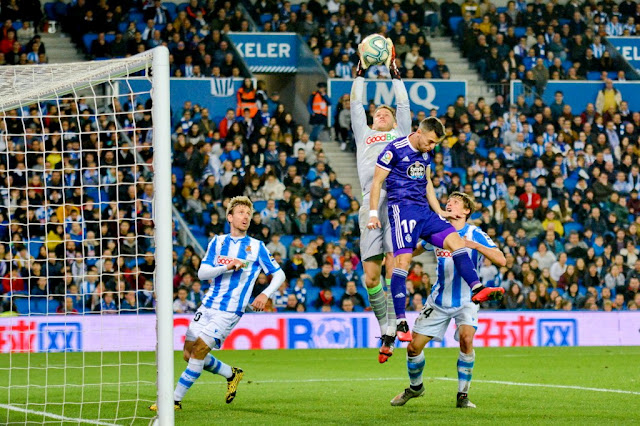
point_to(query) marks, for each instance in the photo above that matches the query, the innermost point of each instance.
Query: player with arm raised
(402, 164)
(375, 244)
(233, 261)
(449, 299)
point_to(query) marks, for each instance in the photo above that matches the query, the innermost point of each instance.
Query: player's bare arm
(379, 177)
(494, 254)
(434, 203)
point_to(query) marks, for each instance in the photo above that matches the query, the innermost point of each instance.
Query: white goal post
(86, 243)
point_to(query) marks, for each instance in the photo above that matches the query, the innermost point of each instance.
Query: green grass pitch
(348, 386)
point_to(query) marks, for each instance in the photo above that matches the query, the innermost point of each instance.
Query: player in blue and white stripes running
(233, 261)
(450, 298)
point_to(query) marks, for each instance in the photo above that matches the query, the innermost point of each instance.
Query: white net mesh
(77, 244)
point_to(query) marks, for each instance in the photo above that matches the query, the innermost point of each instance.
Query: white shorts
(212, 326)
(374, 242)
(434, 320)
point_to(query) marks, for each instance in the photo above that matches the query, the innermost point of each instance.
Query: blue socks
(399, 290)
(464, 267)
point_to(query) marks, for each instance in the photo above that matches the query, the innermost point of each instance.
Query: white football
(375, 50)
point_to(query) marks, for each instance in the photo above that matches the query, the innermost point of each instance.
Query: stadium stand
(547, 181)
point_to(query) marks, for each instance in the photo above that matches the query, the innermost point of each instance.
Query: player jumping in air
(449, 299)
(375, 244)
(403, 164)
(233, 261)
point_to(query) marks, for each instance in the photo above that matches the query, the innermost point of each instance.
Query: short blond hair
(239, 201)
(388, 108)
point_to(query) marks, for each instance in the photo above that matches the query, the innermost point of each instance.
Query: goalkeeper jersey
(230, 292)
(370, 143)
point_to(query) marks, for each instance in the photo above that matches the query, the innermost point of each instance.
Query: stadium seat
(179, 250)
(22, 305)
(572, 226)
(34, 246)
(259, 205)
(49, 11)
(312, 272)
(295, 8)
(454, 22)
(182, 6)
(519, 31)
(179, 172)
(570, 184)
(202, 240)
(430, 63)
(306, 239)
(172, 8)
(317, 229)
(259, 171)
(462, 173)
(593, 75)
(265, 17)
(335, 192)
(286, 240)
(87, 39)
(136, 16)
(501, 9)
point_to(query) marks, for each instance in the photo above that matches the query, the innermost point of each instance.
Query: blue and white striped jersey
(230, 292)
(450, 290)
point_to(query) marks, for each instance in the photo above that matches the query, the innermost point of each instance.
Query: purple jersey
(407, 167)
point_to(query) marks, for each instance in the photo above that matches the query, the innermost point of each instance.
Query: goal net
(85, 242)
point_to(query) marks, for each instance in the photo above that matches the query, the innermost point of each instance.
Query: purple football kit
(410, 216)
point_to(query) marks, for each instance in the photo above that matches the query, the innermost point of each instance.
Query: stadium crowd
(536, 42)
(556, 189)
(193, 31)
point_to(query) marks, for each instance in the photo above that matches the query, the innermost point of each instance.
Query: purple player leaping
(403, 164)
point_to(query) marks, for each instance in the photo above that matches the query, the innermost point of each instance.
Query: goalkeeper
(375, 245)
(233, 261)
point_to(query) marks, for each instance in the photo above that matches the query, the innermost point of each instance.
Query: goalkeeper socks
(398, 291)
(190, 375)
(378, 302)
(465, 370)
(464, 267)
(216, 366)
(415, 366)
(391, 313)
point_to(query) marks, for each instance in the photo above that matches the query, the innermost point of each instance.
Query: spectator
(318, 105)
(352, 295)
(325, 279)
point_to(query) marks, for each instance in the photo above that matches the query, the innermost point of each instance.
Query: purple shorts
(412, 222)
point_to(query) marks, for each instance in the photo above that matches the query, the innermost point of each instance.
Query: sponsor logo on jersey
(379, 137)
(442, 253)
(416, 171)
(226, 260)
(399, 296)
(408, 238)
(405, 159)
(386, 158)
